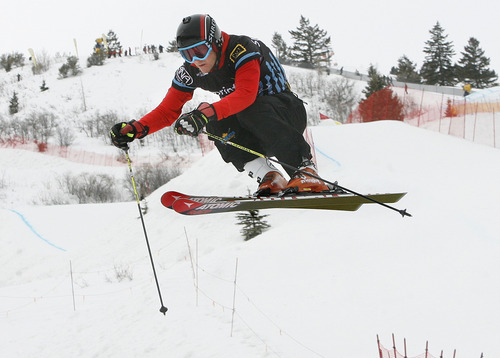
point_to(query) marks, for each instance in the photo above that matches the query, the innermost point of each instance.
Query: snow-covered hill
(317, 284)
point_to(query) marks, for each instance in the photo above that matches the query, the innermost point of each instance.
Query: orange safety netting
(475, 117)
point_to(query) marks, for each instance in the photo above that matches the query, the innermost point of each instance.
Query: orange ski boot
(303, 183)
(272, 183)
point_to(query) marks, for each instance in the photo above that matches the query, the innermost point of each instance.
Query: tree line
(438, 67)
(312, 48)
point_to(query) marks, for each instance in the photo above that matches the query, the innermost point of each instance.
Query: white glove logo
(185, 124)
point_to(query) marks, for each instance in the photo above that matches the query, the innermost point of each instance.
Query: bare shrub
(89, 188)
(3, 180)
(43, 62)
(150, 178)
(35, 126)
(99, 125)
(65, 136)
(169, 141)
(337, 93)
(340, 96)
(121, 273)
(41, 125)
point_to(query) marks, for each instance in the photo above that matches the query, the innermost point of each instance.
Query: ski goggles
(198, 51)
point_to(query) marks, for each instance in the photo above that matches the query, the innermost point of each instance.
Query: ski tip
(170, 197)
(186, 206)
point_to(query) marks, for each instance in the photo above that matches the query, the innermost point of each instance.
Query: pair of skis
(199, 205)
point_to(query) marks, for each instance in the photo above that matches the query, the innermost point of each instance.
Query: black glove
(123, 133)
(192, 123)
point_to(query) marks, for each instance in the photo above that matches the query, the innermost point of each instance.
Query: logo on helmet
(211, 32)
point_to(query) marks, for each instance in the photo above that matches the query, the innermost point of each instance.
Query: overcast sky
(363, 32)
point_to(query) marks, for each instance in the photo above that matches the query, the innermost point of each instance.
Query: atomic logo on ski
(201, 206)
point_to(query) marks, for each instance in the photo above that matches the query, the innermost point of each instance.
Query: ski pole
(163, 309)
(226, 141)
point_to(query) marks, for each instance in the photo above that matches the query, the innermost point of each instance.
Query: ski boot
(303, 183)
(272, 183)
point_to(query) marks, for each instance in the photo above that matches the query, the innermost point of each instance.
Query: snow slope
(317, 284)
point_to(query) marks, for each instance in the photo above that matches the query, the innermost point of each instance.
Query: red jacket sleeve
(167, 111)
(246, 88)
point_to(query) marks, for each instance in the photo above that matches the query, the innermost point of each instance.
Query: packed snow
(316, 284)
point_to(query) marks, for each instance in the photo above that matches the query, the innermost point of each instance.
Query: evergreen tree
(8, 61)
(172, 46)
(473, 66)
(280, 48)
(311, 45)
(114, 46)
(14, 104)
(376, 82)
(253, 224)
(438, 68)
(406, 71)
(70, 67)
(43, 87)
(96, 59)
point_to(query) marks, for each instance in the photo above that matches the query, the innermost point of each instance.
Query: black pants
(272, 125)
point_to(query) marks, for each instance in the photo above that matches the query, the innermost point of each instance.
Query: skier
(257, 106)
